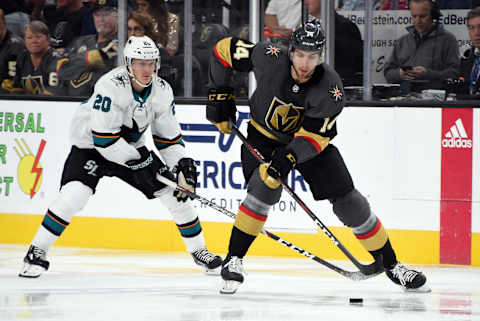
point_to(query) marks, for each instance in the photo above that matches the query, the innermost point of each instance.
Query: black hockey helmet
(309, 36)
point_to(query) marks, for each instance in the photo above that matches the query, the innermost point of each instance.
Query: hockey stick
(370, 269)
(355, 276)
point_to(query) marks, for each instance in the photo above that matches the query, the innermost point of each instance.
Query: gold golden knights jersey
(114, 119)
(303, 115)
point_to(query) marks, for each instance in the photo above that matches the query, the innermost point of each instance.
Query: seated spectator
(348, 46)
(140, 24)
(282, 16)
(11, 46)
(70, 20)
(91, 56)
(16, 15)
(470, 62)
(393, 5)
(36, 66)
(426, 53)
(166, 24)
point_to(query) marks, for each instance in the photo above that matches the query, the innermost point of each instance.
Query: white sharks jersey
(114, 119)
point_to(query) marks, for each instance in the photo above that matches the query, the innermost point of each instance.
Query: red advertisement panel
(456, 186)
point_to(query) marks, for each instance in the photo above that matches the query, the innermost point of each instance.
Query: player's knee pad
(352, 209)
(261, 191)
(73, 197)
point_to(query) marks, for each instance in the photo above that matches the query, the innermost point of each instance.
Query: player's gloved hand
(221, 108)
(283, 160)
(146, 168)
(186, 178)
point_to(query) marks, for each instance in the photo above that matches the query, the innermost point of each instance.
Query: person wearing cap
(91, 56)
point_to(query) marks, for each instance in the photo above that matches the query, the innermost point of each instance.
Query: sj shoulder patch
(272, 51)
(335, 93)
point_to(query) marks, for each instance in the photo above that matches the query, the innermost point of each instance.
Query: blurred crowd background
(61, 47)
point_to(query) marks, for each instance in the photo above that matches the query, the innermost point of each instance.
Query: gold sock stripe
(375, 239)
(249, 222)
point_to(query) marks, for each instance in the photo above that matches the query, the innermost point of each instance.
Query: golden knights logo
(33, 84)
(272, 51)
(335, 93)
(283, 117)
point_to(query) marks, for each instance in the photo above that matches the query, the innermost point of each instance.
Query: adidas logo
(457, 137)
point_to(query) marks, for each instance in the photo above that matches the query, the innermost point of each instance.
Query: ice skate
(210, 262)
(409, 280)
(35, 263)
(232, 275)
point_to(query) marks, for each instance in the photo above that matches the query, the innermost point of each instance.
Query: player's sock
(35, 262)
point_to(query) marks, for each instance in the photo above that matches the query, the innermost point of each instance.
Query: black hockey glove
(186, 178)
(221, 108)
(145, 169)
(283, 160)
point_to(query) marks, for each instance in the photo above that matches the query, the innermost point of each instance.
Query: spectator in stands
(426, 53)
(393, 5)
(70, 20)
(167, 24)
(348, 45)
(470, 62)
(140, 24)
(282, 16)
(91, 56)
(11, 46)
(18, 13)
(36, 66)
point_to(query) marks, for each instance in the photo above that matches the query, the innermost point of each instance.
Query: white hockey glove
(186, 178)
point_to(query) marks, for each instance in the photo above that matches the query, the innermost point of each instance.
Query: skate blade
(423, 289)
(212, 272)
(229, 287)
(31, 271)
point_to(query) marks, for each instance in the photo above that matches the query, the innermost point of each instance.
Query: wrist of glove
(283, 160)
(221, 108)
(186, 177)
(144, 170)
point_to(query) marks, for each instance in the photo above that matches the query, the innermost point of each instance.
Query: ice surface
(93, 284)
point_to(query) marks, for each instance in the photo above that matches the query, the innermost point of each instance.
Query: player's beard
(301, 78)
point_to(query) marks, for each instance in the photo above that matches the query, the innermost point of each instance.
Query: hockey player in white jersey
(107, 140)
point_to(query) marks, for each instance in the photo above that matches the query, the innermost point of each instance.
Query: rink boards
(418, 167)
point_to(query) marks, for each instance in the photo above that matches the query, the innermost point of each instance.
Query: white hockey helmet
(142, 48)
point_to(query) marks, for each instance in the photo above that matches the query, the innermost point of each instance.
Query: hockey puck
(356, 300)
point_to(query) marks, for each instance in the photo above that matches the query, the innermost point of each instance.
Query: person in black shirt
(470, 62)
(71, 20)
(36, 67)
(348, 46)
(11, 46)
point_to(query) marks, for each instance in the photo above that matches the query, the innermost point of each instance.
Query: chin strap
(137, 81)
